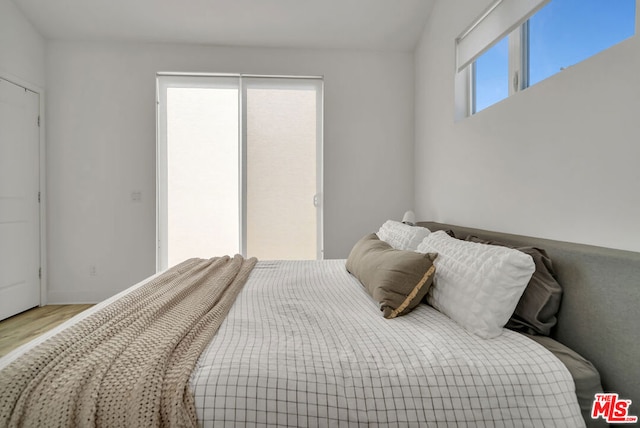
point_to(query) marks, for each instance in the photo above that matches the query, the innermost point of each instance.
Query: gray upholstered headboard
(600, 312)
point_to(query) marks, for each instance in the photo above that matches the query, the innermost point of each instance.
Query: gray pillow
(537, 309)
(585, 376)
(398, 280)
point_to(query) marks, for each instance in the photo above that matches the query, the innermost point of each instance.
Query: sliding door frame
(163, 82)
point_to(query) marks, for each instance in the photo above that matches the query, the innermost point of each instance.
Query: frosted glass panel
(281, 172)
(203, 183)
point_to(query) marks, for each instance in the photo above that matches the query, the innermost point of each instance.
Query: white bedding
(305, 345)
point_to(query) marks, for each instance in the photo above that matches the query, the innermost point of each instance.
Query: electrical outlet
(93, 271)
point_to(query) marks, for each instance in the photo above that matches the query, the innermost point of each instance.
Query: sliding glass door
(239, 167)
(282, 133)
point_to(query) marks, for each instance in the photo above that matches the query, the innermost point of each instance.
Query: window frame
(518, 63)
(518, 60)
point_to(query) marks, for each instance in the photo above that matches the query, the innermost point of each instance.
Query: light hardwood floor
(23, 327)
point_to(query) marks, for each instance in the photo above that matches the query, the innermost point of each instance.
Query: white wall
(21, 47)
(559, 160)
(101, 144)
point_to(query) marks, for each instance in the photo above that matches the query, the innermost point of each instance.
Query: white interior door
(19, 199)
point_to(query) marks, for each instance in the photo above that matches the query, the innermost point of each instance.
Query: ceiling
(334, 24)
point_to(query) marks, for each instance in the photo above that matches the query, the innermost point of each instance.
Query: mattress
(305, 345)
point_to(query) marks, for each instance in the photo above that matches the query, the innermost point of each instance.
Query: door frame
(42, 184)
(161, 159)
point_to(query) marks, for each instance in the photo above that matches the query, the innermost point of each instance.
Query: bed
(304, 344)
(599, 315)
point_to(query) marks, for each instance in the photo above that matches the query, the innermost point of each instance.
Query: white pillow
(476, 285)
(402, 236)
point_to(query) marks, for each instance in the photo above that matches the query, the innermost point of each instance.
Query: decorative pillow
(397, 279)
(585, 376)
(402, 236)
(476, 285)
(537, 309)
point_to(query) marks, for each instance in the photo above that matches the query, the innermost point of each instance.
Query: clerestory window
(516, 44)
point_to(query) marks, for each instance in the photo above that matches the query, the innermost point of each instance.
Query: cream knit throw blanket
(128, 364)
